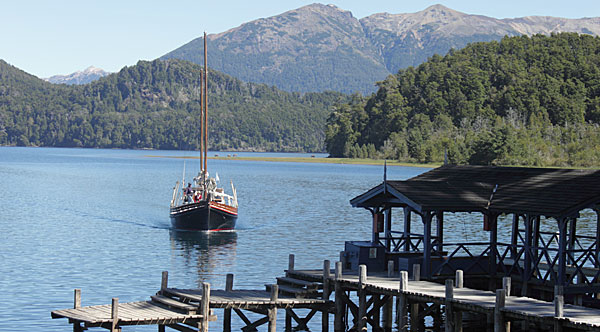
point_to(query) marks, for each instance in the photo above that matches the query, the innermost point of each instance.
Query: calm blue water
(98, 220)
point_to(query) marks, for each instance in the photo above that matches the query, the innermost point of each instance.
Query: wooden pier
(188, 310)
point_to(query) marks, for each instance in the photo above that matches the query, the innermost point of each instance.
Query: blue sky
(46, 37)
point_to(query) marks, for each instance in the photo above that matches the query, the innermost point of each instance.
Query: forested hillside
(156, 105)
(521, 101)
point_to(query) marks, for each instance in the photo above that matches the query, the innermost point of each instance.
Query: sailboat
(203, 206)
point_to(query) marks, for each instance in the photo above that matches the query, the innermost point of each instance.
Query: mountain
(322, 47)
(156, 105)
(88, 75)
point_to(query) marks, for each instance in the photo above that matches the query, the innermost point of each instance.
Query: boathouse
(540, 226)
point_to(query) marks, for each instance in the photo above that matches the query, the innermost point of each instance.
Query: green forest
(531, 101)
(156, 105)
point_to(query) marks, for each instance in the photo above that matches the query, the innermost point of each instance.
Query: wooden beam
(388, 228)
(439, 217)
(427, 216)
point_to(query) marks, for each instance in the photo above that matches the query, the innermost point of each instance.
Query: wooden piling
(291, 262)
(326, 292)
(76, 305)
(114, 315)
(448, 302)
(205, 307)
(227, 311)
(388, 308)
(164, 282)
(338, 323)
(362, 298)
(414, 307)
(458, 283)
(506, 284)
(499, 323)
(559, 303)
(401, 306)
(272, 311)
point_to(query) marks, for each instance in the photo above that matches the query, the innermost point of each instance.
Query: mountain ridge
(321, 47)
(79, 77)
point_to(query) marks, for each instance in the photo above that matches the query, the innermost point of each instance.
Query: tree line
(156, 104)
(520, 101)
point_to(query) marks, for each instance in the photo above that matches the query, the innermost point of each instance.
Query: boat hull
(204, 216)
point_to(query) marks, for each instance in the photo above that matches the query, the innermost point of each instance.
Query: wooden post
(439, 217)
(362, 298)
(343, 258)
(114, 315)
(514, 236)
(326, 292)
(407, 213)
(388, 307)
(559, 303)
(164, 283)
(417, 272)
(562, 245)
(449, 312)
(291, 262)
(77, 299)
(227, 311)
(427, 244)
(506, 281)
(338, 324)
(493, 220)
(459, 283)
(205, 307)
(401, 307)
(528, 257)
(76, 305)
(272, 311)
(499, 324)
(388, 228)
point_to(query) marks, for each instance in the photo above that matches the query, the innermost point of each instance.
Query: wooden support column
(427, 216)
(514, 236)
(338, 323)
(414, 307)
(291, 259)
(559, 303)
(362, 298)
(597, 259)
(164, 282)
(572, 239)
(76, 305)
(272, 311)
(326, 292)
(388, 229)
(499, 321)
(450, 323)
(528, 257)
(493, 265)
(439, 217)
(388, 308)
(401, 306)
(407, 215)
(227, 311)
(536, 241)
(114, 315)
(562, 256)
(458, 283)
(205, 307)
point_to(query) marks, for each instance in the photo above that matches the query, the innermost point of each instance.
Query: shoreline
(347, 161)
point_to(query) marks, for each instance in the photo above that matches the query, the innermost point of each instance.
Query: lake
(99, 220)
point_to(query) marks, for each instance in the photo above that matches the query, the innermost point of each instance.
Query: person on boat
(188, 193)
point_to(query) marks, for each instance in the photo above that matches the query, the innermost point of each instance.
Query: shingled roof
(539, 191)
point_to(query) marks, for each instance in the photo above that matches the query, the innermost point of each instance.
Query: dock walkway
(465, 299)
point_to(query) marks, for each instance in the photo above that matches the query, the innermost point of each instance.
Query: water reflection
(210, 253)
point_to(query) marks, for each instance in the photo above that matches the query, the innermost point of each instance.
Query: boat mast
(205, 105)
(201, 129)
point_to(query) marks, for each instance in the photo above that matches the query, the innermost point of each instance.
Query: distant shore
(350, 161)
